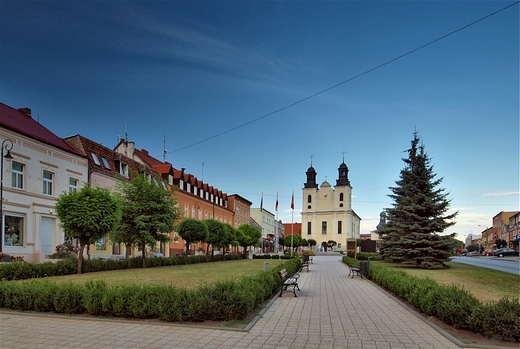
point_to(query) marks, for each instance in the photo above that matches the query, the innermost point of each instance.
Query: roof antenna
(164, 150)
(126, 133)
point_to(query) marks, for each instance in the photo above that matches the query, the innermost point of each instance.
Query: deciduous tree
(148, 212)
(192, 230)
(87, 214)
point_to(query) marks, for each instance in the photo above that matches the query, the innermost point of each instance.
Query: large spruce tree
(419, 214)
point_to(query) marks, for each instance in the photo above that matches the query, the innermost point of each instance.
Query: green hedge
(451, 304)
(222, 301)
(275, 256)
(68, 266)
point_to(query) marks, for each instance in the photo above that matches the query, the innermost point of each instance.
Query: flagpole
(292, 222)
(277, 225)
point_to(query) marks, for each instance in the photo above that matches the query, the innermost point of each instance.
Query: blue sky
(225, 86)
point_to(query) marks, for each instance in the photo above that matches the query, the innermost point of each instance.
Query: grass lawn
(184, 276)
(485, 284)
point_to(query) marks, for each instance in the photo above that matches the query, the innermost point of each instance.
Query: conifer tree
(419, 214)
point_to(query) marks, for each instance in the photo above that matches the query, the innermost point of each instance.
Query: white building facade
(39, 167)
(327, 213)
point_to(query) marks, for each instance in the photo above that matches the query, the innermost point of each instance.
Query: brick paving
(331, 311)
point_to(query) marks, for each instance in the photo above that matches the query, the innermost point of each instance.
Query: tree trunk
(128, 249)
(80, 256)
(144, 255)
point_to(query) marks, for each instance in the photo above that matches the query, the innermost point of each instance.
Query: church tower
(327, 213)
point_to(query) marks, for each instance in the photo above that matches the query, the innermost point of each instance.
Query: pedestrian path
(332, 310)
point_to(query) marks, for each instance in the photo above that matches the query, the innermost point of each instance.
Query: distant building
(514, 230)
(269, 226)
(242, 208)
(501, 226)
(473, 239)
(327, 212)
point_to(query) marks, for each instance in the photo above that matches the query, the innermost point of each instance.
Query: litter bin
(364, 267)
(265, 265)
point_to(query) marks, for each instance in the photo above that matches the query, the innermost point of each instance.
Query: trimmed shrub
(452, 304)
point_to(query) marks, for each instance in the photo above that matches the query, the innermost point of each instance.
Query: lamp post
(7, 145)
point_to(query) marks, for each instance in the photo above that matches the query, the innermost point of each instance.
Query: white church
(327, 213)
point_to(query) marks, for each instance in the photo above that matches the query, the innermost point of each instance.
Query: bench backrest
(282, 273)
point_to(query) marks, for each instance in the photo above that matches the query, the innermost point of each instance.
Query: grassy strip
(485, 284)
(183, 276)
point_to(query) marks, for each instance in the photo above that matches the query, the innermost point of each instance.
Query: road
(506, 264)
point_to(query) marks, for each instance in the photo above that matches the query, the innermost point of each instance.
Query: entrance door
(46, 243)
(324, 245)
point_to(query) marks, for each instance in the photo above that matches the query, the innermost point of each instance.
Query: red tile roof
(20, 121)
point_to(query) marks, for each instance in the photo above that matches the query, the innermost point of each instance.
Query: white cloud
(503, 193)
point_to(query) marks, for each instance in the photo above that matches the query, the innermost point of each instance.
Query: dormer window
(95, 158)
(105, 162)
(123, 169)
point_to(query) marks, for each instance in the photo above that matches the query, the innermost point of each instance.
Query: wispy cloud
(503, 193)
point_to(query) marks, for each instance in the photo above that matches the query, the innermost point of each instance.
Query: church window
(324, 227)
(309, 228)
(340, 196)
(339, 227)
(309, 199)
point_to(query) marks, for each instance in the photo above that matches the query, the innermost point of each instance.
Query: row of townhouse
(505, 226)
(37, 166)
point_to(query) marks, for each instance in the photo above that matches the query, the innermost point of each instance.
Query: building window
(17, 171)
(186, 208)
(340, 196)
(13, 230)
(105, 163)
(123, 169)
(73, 185)
(192, 211)
(339, 227)
(309, 228)
(324, 227)
(47, 182)
(95, 158)
(309, 199)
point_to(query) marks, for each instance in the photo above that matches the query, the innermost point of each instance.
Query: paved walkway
(332, 311)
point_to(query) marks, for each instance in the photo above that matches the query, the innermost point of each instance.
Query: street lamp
(7, 145)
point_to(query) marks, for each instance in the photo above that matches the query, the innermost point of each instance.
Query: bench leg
(294, 290)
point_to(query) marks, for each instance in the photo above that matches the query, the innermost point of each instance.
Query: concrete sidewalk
(331, 311)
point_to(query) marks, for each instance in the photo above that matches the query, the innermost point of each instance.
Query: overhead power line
(349, 79)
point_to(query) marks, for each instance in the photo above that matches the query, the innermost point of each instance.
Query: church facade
(327, 213)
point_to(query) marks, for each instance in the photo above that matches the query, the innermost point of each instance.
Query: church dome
(325, 184)
(311, 169)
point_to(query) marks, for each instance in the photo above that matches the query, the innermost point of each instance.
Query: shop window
(13, 230)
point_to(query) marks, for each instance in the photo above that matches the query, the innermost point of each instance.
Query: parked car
(502, 252)
(489, 253)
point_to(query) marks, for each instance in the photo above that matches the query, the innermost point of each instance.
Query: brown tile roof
(88, 147)
(20, 121)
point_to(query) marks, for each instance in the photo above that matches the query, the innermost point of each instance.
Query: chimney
(26, 111)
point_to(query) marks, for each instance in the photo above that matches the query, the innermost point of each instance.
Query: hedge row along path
(331, 311)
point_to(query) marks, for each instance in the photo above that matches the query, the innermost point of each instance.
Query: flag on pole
(276, 206)
(292, 201)
(262, 202)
